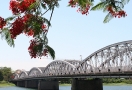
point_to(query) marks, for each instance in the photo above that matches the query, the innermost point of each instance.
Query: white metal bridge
(111, 61)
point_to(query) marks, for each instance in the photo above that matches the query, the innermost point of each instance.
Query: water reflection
(69, 88)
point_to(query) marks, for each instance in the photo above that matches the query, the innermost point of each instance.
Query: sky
(71, 35)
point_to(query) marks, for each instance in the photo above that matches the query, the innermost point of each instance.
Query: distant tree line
(5, 73)
(105, 80)
(117, 80)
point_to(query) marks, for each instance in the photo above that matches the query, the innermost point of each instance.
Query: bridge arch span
(74, 62)
(58, 67)
(16, 76)
(34, 72)
(116, 57)
(23, 74)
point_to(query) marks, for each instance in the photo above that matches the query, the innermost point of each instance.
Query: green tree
(1, 76)
(6, 72)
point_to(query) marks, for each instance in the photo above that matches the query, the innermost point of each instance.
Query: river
(69, 88)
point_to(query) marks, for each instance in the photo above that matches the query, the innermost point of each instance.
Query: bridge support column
(21, 83)
(31, 84)
(95, 84)
(48, 85)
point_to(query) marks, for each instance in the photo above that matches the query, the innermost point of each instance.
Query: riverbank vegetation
(117, 80)
(106, 81)
(5, 84)
(5, 73)
(116, 84)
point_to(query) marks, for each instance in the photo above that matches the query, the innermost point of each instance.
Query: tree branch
(48, 9)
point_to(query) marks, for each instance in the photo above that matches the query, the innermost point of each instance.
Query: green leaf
(105, 8)
(80, 2)
(51, 52)
(99, 6)
(43, 6)
(33, 5)
(10, 18)
(125, 1)
(45, 41)
(83, 3)
(57, 5)
(7, 36)
(119, 4)
(107, 18)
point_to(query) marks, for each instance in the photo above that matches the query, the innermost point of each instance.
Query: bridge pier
(20, 84)
(95, 84)
(48, 85)
(31, 84)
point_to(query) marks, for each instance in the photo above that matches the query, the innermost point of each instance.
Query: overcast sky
(71, 35)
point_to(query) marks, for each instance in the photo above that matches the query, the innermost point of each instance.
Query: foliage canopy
(28, 18)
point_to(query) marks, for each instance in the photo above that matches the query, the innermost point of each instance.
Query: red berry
(2, 22)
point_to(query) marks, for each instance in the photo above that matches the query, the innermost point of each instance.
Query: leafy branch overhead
(114, 8)
(28, 18)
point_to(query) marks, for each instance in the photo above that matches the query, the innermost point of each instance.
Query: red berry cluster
(121, 14)
(17, 27)
(115, 14)
(26, 17)
(84, 10)
(33, 52)
(44, 27)
(20, 6)
(30, 32)
(45, 52)
(22, 24)
(2, 22)
(72, 3)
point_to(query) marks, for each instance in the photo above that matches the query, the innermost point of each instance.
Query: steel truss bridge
(111, 61)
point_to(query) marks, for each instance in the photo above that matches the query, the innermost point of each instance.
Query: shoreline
(116, 84)
(6, 84)
(104, 84)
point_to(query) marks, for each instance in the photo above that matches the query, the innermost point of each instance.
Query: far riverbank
(105, 84)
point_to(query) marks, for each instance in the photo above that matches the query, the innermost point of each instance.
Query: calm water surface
(69, 88)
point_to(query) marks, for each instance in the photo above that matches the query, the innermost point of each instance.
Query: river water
(69, 88)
